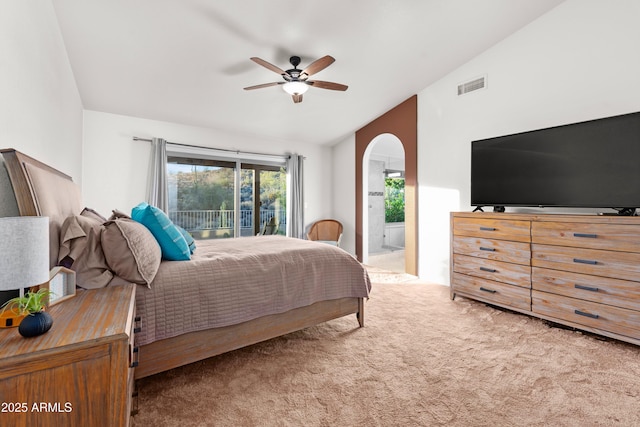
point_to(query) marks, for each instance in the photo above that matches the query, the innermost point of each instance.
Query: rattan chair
(326, 231)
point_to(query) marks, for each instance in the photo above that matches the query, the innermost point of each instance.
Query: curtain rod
(135, 138)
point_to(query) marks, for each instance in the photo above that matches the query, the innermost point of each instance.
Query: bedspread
(229, 281)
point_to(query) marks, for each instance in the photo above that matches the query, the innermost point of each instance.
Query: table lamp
(24, 258)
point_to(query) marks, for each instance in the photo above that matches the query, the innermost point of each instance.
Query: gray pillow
(131, 251)
(81, 250)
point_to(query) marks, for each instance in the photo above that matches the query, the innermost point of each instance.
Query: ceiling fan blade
(327, 85)
(318, 65)
(263, 85)
(268, 65)
(296, 98)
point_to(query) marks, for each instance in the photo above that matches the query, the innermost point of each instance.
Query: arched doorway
(401, 121)
(383, 195)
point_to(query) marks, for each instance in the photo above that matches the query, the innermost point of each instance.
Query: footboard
(173, 352)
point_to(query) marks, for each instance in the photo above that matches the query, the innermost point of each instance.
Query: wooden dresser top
(554, 217)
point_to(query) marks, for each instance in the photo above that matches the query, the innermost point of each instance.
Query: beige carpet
(421, 360)
(379, 275)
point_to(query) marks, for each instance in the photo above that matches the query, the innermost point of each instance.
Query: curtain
(158, 195)
(295, 219)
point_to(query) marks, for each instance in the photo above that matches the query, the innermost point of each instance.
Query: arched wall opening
(382, 241)
(401, 122)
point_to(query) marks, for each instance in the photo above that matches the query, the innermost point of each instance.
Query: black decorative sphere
(35, 324)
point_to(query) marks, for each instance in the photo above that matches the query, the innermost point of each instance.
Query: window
(215, 199)
(394, 199)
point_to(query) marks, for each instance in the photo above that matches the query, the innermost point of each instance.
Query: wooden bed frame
(170, 353)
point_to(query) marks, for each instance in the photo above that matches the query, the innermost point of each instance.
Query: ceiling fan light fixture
(295, 88)
(296, 81)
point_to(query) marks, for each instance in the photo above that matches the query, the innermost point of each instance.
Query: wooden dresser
(582, 271)
(81, 372)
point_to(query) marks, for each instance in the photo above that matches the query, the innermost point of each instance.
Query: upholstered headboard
(8, 205)
(41, 190)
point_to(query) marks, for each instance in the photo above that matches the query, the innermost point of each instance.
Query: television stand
(581, 271)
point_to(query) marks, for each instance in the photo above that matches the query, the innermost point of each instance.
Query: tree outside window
(394, 199)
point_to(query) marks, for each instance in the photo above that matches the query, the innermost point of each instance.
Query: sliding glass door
(215, 199)
(263, 199)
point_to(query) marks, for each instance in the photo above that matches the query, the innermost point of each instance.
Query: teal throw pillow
(172, 243)
(188, 237)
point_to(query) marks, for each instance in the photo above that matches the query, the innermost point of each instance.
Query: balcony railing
(224, 219)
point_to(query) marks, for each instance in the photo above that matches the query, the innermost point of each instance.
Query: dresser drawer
(514, 274)
(614, 237)
(620, 293)
(617, 265)
(514, 230)
(593, 315)
(492, 292)
(498, 250)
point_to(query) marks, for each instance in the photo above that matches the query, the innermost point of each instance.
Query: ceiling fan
(295, 81)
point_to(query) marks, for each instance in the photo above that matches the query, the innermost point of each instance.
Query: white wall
(578, 62)
(343, 160)
(375, 207)
(40, 108)
(116, 167)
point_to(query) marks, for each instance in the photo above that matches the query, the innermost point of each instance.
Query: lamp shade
(295, 88)
(24, 252)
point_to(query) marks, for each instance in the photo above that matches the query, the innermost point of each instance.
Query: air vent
(472, 85)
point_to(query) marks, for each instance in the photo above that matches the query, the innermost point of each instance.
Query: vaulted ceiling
(187, 61)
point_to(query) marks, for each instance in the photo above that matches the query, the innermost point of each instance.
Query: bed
(232, 293)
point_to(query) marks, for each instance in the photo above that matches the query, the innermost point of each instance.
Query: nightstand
(81, 372)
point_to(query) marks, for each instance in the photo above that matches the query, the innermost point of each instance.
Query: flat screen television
(592, 164)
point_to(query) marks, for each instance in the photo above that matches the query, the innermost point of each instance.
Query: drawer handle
(582, 313)
(137, 318)
(491, 291)
(135, 355)
(585, 261)
(482, 248)
(586, 288)
(487, 229)
(489, 270)
(137, 330)
(136, 352)
(587, 235)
